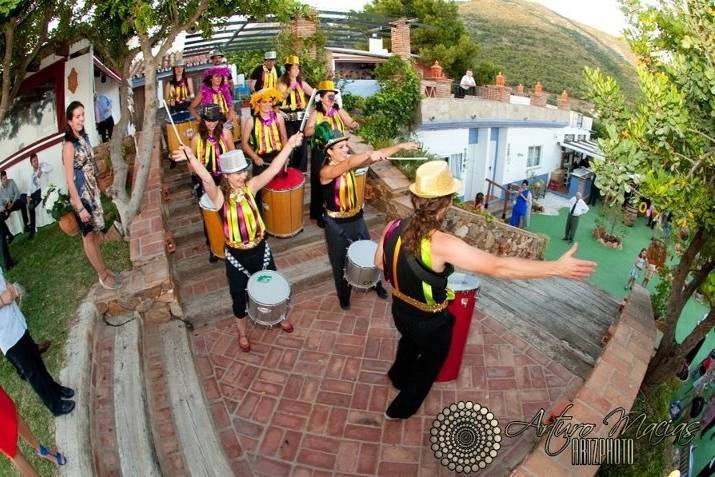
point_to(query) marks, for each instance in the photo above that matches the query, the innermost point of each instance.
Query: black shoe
(67, 393)
(380, 290)
(212, 258)
(345, 304)
(65, 407)
(564, 238)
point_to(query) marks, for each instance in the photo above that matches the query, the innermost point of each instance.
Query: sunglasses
(331, 97)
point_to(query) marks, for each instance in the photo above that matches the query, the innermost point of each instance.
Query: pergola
(342, 30)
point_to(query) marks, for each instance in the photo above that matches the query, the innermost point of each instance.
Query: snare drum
(360, 270)
(360, 179)
(268, 295)
(214, 226)
(282, 201)
(236, 129)
(186, 130)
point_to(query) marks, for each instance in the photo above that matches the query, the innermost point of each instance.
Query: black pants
(36, 198)
(5, 251)
(105, 128)
(299, 156)
(571, 226)
(27, 360)
(316, 194)
(252, 261)
(421, 352)
(339, 234)
(19, 204)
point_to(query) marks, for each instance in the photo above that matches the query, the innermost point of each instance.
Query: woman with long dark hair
(326, 110)
(208, 144)
(343, 215)
(80, 172)
(180, 90)
(295, 92)
(247, 251)
(215, 90)
(417, 256)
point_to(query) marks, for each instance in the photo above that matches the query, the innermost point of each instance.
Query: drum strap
(232, 260)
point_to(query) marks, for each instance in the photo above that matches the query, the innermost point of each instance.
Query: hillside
(532, 43)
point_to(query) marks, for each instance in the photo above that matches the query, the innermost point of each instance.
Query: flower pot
(68, 224)
(630, 214)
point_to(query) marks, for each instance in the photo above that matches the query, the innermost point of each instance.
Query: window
(457, 165)
(534, 158)
(579, 120)
(569, 137)
(581, 137)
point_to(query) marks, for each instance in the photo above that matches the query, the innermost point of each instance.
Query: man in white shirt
(19, 348)
(577, 207)
(466, 83)
(39, 177)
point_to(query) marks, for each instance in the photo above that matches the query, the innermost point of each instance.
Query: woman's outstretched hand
(178, 154)
(574, 268)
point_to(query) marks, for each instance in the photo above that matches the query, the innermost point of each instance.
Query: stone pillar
(400, 38)
(303, 28)
(538, 98)
(564, 101)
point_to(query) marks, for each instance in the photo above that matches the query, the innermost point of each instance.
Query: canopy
(584, 146)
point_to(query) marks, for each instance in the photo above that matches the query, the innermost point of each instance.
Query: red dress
(8, 425)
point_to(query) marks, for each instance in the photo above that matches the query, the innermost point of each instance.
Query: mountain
(532, 43)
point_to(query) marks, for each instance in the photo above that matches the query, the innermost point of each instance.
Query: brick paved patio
(312, 402)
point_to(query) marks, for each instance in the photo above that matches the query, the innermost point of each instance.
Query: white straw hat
(232, 161)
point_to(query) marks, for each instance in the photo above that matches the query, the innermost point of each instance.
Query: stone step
(134, 441)
(181, 207)
(200, 446)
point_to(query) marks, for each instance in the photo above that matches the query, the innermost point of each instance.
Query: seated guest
(39, 175)
(467, 83)
(479, 202)
(19, 348)
(10, 201)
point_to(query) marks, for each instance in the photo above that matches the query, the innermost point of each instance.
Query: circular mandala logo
(465, 437)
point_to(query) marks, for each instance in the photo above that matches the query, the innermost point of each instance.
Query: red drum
(466, 292)
(282, 200)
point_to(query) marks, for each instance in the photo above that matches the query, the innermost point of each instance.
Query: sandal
(287, 329)
(115, 286)
(245, 348)
(57, 458)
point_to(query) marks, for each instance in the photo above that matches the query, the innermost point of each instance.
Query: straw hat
(434, 179)
(327, 85)
(265, 93)
(292, 60)
(269, 55)
(232, 161)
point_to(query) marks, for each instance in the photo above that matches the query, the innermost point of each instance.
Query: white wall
(444, 142)
(516, 154)
(84, 66)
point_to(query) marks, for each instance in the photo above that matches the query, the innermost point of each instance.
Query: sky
(601, 14)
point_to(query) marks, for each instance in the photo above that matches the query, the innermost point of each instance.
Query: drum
(214, 226)
(360, 179)
(466, 292)
(236, 129)
(186, 130)
(282, 201)
(268, 295)
(360, 270)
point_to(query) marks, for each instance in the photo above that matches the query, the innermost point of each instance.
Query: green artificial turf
(53, 269)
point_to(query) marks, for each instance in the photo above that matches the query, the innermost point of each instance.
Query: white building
(35, 123)
(488, 140)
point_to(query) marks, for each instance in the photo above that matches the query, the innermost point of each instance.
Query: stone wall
(389, 189)
(613, 383)
(148, 287)
(451, 109)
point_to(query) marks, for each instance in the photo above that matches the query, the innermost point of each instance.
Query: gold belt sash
(245, 246)
(343, 215)
(436, 308)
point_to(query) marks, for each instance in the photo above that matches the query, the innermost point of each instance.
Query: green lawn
(53, 269)
(612, 274)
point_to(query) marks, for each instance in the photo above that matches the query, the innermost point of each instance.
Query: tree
(440, 34)
(153, 27)
(25, 28)
(666, 143)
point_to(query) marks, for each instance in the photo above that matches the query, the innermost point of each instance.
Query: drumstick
(176, 131)
(307, 110)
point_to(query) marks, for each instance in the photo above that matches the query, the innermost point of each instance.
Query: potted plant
(57, 203)
(609, 230)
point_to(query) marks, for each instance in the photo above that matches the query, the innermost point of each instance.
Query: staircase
(147, 411)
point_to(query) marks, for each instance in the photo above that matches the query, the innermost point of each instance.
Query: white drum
(360, 270)
(268, 295)
(459, 281)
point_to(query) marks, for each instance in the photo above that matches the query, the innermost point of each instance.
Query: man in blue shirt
(103, 116)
